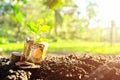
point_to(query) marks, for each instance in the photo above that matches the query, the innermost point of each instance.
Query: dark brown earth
(69, 67)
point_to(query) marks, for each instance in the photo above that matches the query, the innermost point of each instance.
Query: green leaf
(12, 17)
(17, 13)
(45, 28)
(19, 18)
(15, 8)
(40, 21)
(43, 40)
(32, 27)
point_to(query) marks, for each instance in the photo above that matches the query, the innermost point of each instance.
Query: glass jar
(38, 52)
(27, 47)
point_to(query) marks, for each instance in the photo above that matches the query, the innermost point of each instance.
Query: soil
(68, 67)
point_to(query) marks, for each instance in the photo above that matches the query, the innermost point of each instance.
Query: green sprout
(39, 30)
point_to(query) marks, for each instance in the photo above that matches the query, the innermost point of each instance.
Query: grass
(85, 47)
(8, 48)
(69, 46)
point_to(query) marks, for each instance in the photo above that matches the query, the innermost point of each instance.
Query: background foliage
(53, 21)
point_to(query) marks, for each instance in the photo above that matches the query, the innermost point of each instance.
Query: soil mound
(69, 67)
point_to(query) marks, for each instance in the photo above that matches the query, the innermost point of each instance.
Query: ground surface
(68, 67)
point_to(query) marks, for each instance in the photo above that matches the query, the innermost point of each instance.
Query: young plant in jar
(40, 31)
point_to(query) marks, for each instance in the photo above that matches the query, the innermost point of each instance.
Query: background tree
(61, 15)
(57, 6)
(12, 18)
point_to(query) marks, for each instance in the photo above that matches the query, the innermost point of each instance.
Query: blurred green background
(62, 23)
